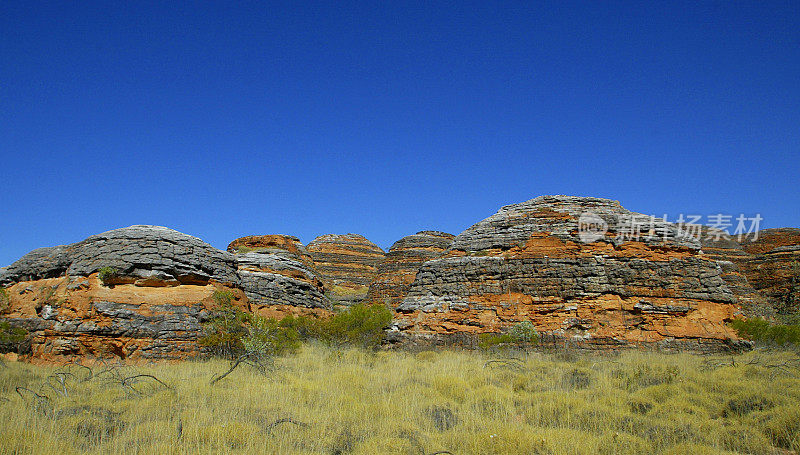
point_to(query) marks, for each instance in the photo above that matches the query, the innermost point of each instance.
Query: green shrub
(267, 337)
(11, 337)
(359, 325)
(490, 340)
(223, 334)
(761, 330)
(5, 300)
(107, 275)
(232, 332)
(518, 334)
(524, 332)
(223, 297)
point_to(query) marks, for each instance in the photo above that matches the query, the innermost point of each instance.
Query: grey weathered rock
(513, 224)
(278, 279)
(151, 253)
(453, 280)
(48, 262)
(136, 249)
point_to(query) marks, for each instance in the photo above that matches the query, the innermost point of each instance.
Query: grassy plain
(328, 401)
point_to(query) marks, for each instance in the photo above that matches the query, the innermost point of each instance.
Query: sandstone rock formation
(153, 306)
(582, 270)
(271, 280)
(136, 253)
(772, 267)
(277, 244)
(348, 263)
(276, 271)
(528, 262)
(397, 270)
(158, 290)
(729, 254)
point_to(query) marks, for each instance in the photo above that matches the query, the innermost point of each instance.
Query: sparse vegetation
(359, 325)
(11, 337)
(240, 336)
(765, 332)
(325, 400)
(5, 300)
(106, 275)
(521, 334)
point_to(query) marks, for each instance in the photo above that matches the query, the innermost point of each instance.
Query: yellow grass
(359, 402)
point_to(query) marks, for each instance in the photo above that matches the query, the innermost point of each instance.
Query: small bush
(524, 332)
(232, 332)
(359, 325)
(107, 275)
(490, 340)
(223, 297)
(11, 337)
(5, 300)
(268, 337)
(763, 331)
(520, 333)
(223, 334)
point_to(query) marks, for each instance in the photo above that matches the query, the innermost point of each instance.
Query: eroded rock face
(530, 262)
(276, 244)
(152, 307)
(772, 267)
(729, 254)
(348, 263)
(397, 270)
(78, 316)
(136, 252)
(274, 279)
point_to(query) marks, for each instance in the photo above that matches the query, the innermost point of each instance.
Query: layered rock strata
(272, 279)
(158, 287)
(285, 245)
(397, 270)
(772, 267)
(348, 263)
(581, 269)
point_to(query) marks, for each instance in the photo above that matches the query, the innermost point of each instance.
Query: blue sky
(386, 118)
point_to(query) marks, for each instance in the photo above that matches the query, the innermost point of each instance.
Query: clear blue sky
(386, 118)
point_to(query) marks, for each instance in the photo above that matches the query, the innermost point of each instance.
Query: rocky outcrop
(276, 271)
(285, 245)
(158, 286)
(397, 270)
(348, 263)
(729, 254)
(582, 269)
(147, 253)
(772, 267)
(158, 289)
(270, 279)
